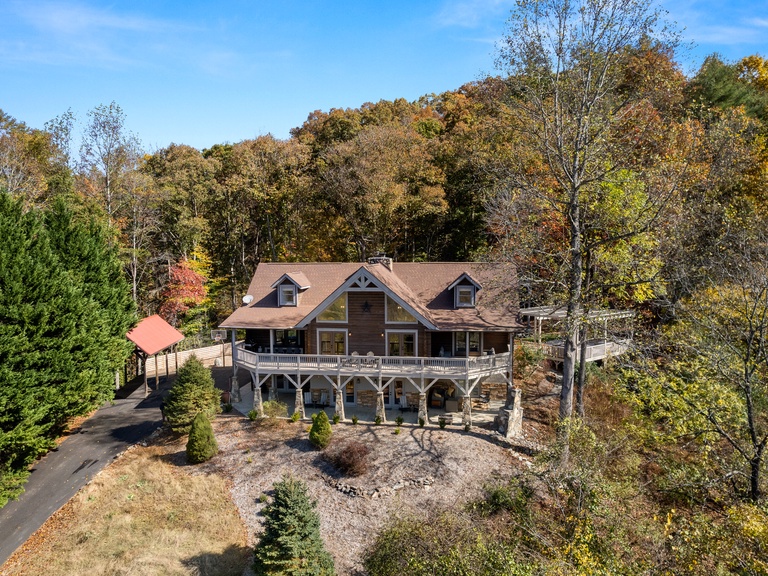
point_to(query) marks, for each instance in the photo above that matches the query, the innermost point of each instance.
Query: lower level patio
(480, 416)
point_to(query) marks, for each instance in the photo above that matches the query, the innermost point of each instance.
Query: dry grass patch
(144, 514)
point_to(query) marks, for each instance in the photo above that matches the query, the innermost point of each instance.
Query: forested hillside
(594, 163)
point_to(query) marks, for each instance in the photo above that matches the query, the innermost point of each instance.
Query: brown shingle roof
(422, 285)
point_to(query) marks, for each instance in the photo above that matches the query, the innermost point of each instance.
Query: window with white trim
(465, 296)
(464, 339)
(336, 311)
(398, 314)
(401, 343)
(333, 342)
(287, 295)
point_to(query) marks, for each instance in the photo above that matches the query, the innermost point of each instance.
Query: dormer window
(464, 291)
(465, 296)
(288, 287)
(287, 295)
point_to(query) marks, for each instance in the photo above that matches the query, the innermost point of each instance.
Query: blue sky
(203, 72)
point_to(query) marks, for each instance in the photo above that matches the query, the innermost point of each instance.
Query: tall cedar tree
(193, 392)
(291, 544)
(58, 345)
(90, 259)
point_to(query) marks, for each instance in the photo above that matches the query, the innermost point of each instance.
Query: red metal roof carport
(151, 336)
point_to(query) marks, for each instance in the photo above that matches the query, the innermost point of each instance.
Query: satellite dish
(247, 299)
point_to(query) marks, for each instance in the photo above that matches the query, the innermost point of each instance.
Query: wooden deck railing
(597, 351)
(372, 365)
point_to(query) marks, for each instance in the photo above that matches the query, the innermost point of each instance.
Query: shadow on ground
(232, 561)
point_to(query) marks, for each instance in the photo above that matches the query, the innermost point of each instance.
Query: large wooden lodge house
(378, 334)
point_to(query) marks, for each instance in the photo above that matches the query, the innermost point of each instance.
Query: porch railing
(386, 365)
(596, 351)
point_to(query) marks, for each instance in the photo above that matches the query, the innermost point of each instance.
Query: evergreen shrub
(193, 392)
(291, 544)
(201, 445)
(320, 433)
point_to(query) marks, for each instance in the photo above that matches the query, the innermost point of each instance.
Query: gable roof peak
(297, 278)
(465, 276)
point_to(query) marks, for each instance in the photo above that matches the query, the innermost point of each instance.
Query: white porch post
(510, 368)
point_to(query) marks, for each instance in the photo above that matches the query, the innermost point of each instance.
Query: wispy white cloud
(66, 32)
(75, 18)
(471, 13)
(719, 23)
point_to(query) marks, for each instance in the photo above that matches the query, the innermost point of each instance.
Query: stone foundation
(258, 405)
(299, 403)
(509, 422)
(366, 398)
(340, 403)
(494, 390)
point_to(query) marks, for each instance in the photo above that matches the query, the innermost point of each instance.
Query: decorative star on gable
(366, 307)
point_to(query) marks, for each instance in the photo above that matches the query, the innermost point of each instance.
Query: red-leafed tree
(186, 289)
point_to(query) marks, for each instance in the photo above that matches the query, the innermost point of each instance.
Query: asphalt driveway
(61, 473)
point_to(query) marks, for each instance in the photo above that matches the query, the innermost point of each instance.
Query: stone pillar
(340, 404)
(234, 390)
(467, 410)
(380, 411)
(272, 388)
(258, 405)
(423, 407)
(509, 422)
(299, 403)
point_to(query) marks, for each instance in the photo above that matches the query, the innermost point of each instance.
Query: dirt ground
(410, 472)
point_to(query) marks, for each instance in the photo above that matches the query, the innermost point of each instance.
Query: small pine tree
(291, 544)
(320, 433)
(201, 445)
(192, 392)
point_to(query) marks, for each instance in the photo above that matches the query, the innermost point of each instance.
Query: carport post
(146, 384)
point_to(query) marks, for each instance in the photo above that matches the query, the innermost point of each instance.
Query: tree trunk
(754, 477)
(573, 316)
(581, 381)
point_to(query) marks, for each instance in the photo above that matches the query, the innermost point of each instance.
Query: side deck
(596, 349)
